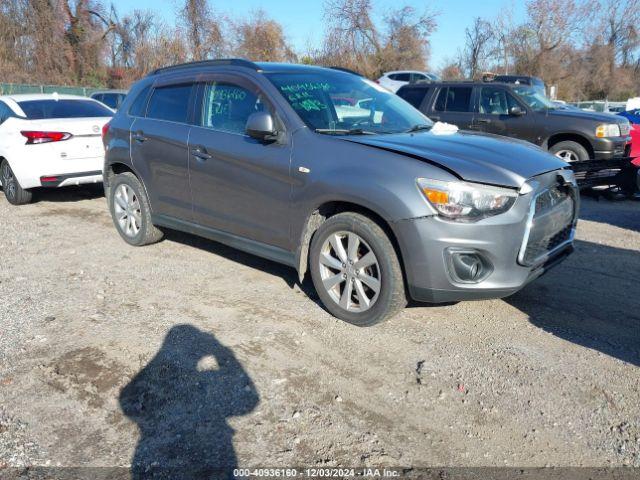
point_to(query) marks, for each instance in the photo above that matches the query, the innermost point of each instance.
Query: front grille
(539, 249)
(551, 224)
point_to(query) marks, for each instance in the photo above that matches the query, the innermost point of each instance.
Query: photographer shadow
(181, 401)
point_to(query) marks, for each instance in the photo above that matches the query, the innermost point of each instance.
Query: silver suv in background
(326, 171)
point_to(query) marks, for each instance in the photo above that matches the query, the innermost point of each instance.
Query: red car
(635, 143)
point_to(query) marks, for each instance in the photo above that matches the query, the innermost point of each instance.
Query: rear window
(42, 109)
(112, 100)
(413, 95)
(170, 103)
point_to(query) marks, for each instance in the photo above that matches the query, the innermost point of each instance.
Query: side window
(139, 105)
(227, 107)
(110, 100)
(400, 77)
(170, 103)
(416, 77)
(413, 95)
(495, 101)
(459, 99)
(97, 97)
(441, 100)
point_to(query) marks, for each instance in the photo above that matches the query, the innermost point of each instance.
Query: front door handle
(435, 118)
(139, 137)
(483, 120)
(200, 153)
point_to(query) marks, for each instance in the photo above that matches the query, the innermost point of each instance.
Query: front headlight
(608, 130)
(466, 201)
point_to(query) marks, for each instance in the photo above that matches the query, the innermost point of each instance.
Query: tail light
(37, 137)
(105, 130)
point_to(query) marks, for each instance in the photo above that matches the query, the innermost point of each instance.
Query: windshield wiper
(344, 131)
(419, 127)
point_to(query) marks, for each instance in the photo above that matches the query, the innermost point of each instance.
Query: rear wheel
(570, 151)
(131, 211)
(356, 271)
(16, 195)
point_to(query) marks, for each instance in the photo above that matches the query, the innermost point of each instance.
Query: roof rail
(238, 62)
(342, 69)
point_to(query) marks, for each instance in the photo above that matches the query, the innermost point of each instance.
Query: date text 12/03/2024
(317, 472)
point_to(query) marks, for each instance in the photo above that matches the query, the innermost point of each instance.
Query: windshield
(341, 103)
(41, 109)
(534, 98)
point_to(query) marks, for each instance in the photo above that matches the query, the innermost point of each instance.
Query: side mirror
(516, 112)
(261, 127)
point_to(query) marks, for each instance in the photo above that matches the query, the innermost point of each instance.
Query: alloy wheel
(349, 271)
(127, 210)
(567, 155)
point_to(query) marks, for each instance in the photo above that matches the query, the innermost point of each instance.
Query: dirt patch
(87, 373)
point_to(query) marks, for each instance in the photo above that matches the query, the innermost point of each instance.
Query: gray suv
(326, 171)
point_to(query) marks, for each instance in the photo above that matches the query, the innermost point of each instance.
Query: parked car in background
(601, 106)
(632, 115)
(111, 98)
(49, 140)
(522, 112)
(266, 158)
(564, 106)
(534, 82)
(392, 81)
(634, 118)
(635, 144)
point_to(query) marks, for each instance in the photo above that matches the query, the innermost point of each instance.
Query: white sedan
(49, 140)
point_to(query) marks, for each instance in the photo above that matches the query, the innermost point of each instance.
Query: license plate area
(551, 224)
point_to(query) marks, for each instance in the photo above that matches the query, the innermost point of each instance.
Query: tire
(331, 275)
(16, 195)
(131, 213)
(570, 151)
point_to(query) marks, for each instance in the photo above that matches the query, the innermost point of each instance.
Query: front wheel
(16, 195)
(356, 271)
(570, 151)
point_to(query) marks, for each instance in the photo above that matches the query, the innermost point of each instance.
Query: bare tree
(260, 38)
(478, 46)
(406, 43)
(353, 40)
(203, 30)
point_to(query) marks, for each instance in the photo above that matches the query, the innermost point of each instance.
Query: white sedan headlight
(608, 130)
(466, 201)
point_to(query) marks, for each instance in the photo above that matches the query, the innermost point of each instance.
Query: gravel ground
(188, 351)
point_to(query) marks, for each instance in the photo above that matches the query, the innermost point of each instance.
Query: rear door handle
(200, 153)
(483, 120)
(139, 137)
(435, 118)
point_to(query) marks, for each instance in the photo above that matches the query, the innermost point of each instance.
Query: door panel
(159, 152)
(159, 149)
(239, 185)
(492, 114)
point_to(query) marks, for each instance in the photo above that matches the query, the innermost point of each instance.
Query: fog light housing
(468, 266)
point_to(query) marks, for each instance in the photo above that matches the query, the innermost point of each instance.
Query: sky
(303, 21)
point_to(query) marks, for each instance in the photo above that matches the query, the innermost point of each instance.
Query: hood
(599, 117)
(473, 157)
